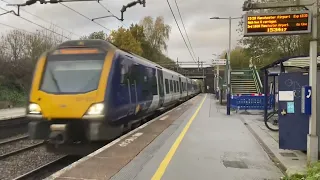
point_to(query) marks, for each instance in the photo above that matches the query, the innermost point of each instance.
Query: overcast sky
(207, 36)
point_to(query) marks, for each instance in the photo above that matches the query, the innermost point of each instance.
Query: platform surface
(199, 142)
(6, 114)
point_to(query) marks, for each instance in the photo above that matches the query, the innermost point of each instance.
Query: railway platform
(13, 113)
(195, 140)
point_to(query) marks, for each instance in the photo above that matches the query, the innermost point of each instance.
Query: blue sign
(306, 100)
(290, 107)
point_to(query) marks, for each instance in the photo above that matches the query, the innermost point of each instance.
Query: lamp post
(227, 71)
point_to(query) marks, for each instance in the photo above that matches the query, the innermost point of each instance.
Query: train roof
(87, 43)
(107, 46)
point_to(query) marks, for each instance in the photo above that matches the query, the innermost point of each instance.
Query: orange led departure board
(277, 23)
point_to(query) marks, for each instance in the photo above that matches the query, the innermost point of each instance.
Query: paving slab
(290, 161)
(6, 114)
(109, 160)
(215, 146)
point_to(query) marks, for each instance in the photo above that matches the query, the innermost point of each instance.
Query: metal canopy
(301, 61)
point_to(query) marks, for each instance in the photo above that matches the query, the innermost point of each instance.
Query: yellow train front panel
(68, 83)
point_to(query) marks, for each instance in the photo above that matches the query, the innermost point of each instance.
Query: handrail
(257, 79)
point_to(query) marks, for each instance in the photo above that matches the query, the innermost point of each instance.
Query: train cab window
(166, 82)
(171, 86)
(72, 74)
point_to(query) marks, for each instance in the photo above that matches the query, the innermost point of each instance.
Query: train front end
(67, 98)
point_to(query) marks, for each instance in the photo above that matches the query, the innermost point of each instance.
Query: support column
(312, 150)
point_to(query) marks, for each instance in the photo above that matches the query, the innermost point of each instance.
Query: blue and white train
(90, 90)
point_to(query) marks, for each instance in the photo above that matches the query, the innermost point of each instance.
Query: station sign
(278, 23)
(219, 62)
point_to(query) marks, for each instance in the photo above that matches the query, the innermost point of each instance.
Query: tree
(95, 35)
(124, 40)
(238, 58)
(150, 52)
(147, 39)
(156, 32)
(19, 51)
(137, 32)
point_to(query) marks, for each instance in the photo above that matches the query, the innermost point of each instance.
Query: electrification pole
(228, 69)
(312, 150)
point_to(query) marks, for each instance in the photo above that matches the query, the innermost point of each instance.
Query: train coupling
(58, 133)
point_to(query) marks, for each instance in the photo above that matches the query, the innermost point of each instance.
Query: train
(87, 91)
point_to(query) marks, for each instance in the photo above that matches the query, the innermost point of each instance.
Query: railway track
(13, 140)
(12, 127)
(49, 168)
(20, 150)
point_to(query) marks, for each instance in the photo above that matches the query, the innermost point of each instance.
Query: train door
(160, 87)
(133, 88)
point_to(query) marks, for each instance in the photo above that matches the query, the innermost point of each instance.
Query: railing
(256, 78)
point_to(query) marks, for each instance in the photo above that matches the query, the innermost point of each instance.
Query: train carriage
(90, 90)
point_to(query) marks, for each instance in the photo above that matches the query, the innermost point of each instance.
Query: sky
(207, 36)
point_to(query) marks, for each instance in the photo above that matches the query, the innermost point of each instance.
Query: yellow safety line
(165, 162)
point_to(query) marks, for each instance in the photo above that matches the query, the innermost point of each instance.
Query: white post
(218, 76)
(312, 152)
(229, 54)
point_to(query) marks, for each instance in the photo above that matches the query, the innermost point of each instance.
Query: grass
(16, 98)
(312, 173)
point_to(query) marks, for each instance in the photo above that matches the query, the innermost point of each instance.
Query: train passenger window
(177, 86)
(171, 87)
(124, 73)
(167, 86)
(174, 86)
(175, 82)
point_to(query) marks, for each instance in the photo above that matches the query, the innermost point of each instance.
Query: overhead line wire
(180, 30)
(7, 25)
(37, 24)
(109, 12)
(84, 16)
(45, 20)
(185, 29)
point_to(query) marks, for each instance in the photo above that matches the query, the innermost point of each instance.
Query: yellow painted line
(165, 162)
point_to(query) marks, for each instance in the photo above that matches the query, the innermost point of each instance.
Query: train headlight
(34, 108)
(96, 109)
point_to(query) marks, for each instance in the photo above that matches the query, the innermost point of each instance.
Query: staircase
(245, 81)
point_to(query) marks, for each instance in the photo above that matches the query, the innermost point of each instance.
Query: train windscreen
(72, 74)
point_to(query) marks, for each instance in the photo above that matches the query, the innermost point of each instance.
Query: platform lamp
(227, 71)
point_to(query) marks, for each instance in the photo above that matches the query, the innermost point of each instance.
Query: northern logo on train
(80, 43)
